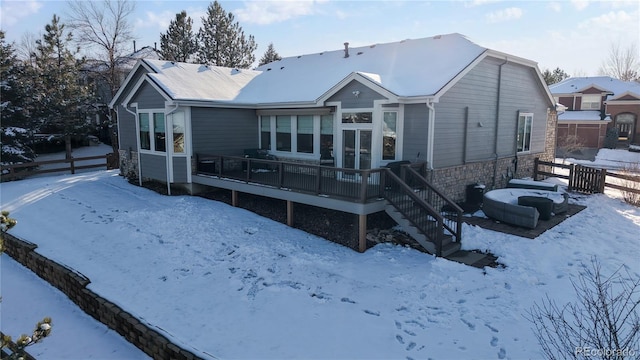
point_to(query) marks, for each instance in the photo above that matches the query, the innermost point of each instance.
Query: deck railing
(352, 184)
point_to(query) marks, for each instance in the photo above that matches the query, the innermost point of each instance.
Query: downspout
(497, 127)
(135, 116)
(169, 146)
(431, 130)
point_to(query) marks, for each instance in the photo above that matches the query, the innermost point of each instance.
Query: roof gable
(602, 84)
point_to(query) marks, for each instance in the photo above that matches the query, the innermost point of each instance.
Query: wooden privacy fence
(17, 171)
(585, 179)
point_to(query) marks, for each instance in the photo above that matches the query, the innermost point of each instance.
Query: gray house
(327, 129)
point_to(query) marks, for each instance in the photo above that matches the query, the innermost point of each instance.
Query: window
(283, 133)
(305, 134)
(590, 102)
(178, 132)
(145, 138)
(524, 132)
(357, 118)
(265, 132)
(326, 137)
(159, 132)
(389, 128)
(153, 133)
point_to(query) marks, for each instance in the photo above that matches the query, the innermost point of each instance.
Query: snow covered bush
(604, 323)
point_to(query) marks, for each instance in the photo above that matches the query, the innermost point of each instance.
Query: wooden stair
(448, 245)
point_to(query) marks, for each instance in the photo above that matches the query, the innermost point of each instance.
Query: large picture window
(153, 132)
(178, 132)
(326, 137)
(283, 133)
(389, 134)
(145, 134)
(265, 132)
(159, 132)
(591, 102)
(524, 132)
(305, 134)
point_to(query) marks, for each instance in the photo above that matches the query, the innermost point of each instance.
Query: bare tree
(603, 324)
(105, 26)
(621, 63)
(27, 47)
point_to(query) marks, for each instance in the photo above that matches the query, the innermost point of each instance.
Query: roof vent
(437, 37)
(268, 69)
(372, 46)
(359, 53)
(282, 67)
(346, 50)
(299, 56)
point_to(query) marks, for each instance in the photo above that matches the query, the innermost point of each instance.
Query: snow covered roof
(182, 81)
(586, 115)
(408, 68)
(424, 67)
(605, 83)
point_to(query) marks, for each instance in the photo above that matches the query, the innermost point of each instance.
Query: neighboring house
(471, 114)
(95, 72)
(591, 105)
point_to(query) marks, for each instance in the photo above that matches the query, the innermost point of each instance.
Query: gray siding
(180, 169)
(131, 84)
(127, 129)
(416, 132)
(350, 101)
(148, 97)
(153, 167)
(465, 124)
(223, 131)
(521, 92)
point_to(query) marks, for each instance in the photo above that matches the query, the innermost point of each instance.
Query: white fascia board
(126, 81)
(142, 80)
(626, 93)
(362, 80)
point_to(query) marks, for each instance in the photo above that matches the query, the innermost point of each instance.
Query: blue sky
(573, 35)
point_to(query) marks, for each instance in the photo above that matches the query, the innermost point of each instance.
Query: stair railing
(414, 208)
(447, 208)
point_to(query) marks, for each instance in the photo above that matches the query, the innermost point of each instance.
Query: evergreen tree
(222, 41)
(179, 42)
(64, 103)
(555, 76)
(14, 132)
(269, 56)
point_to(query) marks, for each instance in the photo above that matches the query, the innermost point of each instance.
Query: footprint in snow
(470, 325)
(502, 353)
(491, 328)
(400, 339)
(411, 346)
(374, 313)
(347, 300)
(494, 341)
(251, 230)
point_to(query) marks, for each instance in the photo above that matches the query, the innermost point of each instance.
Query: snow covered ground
(224, 281)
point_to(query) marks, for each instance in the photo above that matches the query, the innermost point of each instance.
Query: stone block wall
(494, 174)
(74, 285)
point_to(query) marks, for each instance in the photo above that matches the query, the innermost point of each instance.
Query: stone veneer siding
(74, 285)
(128, 163)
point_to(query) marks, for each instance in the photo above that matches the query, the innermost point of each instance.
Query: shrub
(603, 322)
(611, 138)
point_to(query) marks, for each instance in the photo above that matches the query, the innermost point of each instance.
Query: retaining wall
(74, 285)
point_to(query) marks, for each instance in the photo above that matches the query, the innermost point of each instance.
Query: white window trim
(152, 144)
(315, 155)
(592, 100)
(528, 147)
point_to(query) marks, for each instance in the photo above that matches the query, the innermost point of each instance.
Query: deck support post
(234, 198)
(362, 233)
(290, 213)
